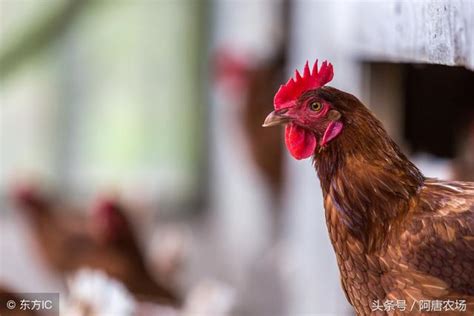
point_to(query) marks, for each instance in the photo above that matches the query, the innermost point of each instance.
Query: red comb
(289, 92)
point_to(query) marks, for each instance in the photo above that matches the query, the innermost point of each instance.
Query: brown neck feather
(370, 181)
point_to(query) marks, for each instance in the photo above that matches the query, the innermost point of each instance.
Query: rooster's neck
(369, 180)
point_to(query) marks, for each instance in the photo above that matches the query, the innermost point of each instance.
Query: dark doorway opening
(425, 108)
(438, 108)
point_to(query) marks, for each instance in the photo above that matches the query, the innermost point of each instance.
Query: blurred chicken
(256, 79)
(266, 148)
(257, 82)
(119, 254)
(59, 232)
(105, 241)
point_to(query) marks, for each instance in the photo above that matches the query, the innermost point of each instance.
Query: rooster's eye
(315, 106)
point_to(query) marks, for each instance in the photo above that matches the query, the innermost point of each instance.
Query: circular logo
(11, 304)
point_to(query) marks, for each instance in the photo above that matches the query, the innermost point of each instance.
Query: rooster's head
(305, 106)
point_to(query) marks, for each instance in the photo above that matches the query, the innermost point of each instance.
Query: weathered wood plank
(417, 31)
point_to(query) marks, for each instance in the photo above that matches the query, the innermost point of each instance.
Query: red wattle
(300, 142)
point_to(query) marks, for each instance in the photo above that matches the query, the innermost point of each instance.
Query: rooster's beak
(276, 118)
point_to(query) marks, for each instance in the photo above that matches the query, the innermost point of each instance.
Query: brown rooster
(404, 243)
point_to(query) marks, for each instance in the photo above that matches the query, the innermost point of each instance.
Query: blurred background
(131, 139)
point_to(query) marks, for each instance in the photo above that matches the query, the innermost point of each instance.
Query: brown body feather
(396, 234)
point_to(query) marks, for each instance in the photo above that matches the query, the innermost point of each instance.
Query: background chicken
(257, 82)
(62, 247)
(397, 235)
(119, 254)
(104, 240)
(256, 79)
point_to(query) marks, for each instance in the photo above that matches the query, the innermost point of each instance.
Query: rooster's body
(401, 239)
(397, 235)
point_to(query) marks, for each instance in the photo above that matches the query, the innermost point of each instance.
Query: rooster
(399, 237)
